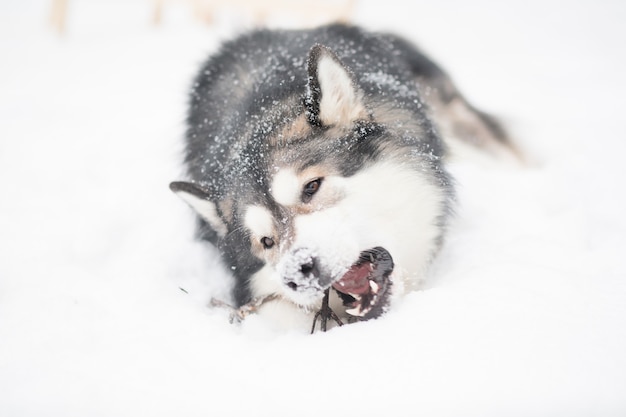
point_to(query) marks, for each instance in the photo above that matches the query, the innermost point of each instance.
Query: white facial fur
(259, 221)
(385, 205)
(286, 187)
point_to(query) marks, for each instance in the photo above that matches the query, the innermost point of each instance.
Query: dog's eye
(267, 242)
(311, 188)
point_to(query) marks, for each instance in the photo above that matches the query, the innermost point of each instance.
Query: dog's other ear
(332, 97)
(199, 199)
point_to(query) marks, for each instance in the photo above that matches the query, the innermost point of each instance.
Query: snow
(104, 293)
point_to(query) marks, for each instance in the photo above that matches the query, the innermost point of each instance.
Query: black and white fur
(306, 149)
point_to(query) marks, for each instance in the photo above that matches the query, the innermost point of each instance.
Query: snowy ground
(524, 313)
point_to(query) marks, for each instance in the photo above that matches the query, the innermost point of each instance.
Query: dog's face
(328, 201)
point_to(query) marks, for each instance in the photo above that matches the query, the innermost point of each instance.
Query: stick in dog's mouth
(365, 288)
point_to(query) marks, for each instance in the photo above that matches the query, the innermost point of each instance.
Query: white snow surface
(523, 314)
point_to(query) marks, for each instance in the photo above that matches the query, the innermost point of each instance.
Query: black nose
(302, 270)
(310, 268)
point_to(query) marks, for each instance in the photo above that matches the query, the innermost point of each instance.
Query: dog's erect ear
(332, 97)
(200, 200)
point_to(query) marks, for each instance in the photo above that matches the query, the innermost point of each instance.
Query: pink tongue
(355, 280)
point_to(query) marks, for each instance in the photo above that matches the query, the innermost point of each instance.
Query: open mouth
(365, 288)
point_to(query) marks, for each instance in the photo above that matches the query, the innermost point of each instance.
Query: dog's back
(254, 85)
(251, 75)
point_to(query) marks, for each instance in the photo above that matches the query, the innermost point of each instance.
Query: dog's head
(327, 198)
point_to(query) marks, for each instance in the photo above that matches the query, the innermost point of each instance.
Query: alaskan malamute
(316, 165)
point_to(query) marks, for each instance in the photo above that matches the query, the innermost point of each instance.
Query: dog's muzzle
(364, 289)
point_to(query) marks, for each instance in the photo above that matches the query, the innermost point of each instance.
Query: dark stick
(324, 314)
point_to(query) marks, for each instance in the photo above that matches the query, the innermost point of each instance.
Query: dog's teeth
(358, 311)
(374, 287)
(355, 312)
(356, 296)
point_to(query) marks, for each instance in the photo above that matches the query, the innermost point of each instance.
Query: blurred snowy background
(103, 292)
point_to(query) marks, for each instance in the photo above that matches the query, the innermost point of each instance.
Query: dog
(316, 163)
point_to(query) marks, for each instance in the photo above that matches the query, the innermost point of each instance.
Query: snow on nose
(300, 272)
